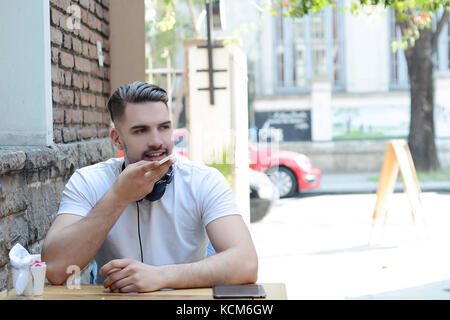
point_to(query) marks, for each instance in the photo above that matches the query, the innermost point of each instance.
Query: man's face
(144, 132)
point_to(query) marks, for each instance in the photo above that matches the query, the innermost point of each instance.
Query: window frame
(402, 68)
(288, 42)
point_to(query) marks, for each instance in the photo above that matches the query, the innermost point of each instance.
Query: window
(309, 46)
(398, 67)
(25, 77)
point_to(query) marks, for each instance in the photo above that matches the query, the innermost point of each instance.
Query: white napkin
(20, 260)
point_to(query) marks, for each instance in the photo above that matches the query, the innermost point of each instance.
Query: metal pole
(210, 55)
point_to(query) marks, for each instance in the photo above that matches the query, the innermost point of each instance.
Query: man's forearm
(233, 266)
(77, 243)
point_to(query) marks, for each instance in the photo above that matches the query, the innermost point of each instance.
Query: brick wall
(32, 178)
(80, 86)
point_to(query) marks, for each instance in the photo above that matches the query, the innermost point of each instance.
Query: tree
(420, 22)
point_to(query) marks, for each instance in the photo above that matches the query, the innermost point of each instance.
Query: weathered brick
(85, 3)
(85, 101)
(106, 87)
(67, 59)
(67, 116)
(55, 94)
(77, 116)
(69, 134)
(85, 49)
(77, 97)
(92, 100)
(58, 115)
(89, 117)
(55, 56)
(76, 45)
(66, 96)
(55, 17)
(82, 64)
(85, 33)
(103, 132)
(106, 118)
(67, 41)
(68, 78)
(84, 15)
(77, 81)
(56, 36)
(92, 6)
(93, 54)
(57, 135)
(100, 102)
(93, 22)
(107, 61)
(106, 44)
(105, 3)
(99, 10)
(105, 30)
(62, 4)
(85, 82)
(57, 75)
(95, 85)
(89, 132)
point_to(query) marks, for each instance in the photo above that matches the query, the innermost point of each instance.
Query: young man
(148, 224)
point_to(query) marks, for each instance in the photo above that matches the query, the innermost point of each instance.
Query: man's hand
(138, 179)
(127, 275)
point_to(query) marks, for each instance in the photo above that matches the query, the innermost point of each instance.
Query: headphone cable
(139, 232)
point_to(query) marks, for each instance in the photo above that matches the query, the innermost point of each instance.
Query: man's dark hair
(135, 92)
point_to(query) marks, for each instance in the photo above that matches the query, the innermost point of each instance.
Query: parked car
(263, 195)
(291, 172)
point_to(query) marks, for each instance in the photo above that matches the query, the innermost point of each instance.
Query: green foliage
(439, 175)
(223, 166)
(167, 28)
(299, 8)
(415, 15)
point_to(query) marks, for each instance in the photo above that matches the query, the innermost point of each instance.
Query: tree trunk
(421, 137)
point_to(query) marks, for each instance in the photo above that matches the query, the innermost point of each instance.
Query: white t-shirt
(172, 229)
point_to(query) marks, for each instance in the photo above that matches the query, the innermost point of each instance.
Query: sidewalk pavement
(362, 182)
(318, 243)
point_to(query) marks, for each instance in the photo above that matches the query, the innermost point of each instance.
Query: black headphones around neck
(160, 186)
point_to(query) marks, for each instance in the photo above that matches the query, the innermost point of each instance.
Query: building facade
(333, 77)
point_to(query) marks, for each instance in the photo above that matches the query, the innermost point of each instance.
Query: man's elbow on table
(56, 274)
(252, 270)
(247, 269)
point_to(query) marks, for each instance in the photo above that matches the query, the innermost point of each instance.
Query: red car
(289, 171)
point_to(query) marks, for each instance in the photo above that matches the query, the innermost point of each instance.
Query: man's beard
(131, 159)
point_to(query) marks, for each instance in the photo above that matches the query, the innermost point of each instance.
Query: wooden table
(274, 291)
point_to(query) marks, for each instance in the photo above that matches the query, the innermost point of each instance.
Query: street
(318, 245)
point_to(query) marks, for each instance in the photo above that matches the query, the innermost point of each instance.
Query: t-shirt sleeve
(77, 197)
(217, 198)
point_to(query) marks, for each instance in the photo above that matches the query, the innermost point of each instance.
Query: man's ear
(114, 135)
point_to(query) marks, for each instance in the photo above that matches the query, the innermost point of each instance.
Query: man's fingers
(119, 284)
(114, 264)
(117, 280)
(129, 288)
(111, 271)
(159, 171)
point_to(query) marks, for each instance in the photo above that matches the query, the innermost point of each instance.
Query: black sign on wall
(291, 125)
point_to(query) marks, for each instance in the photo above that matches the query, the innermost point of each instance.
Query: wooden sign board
(397, 158)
